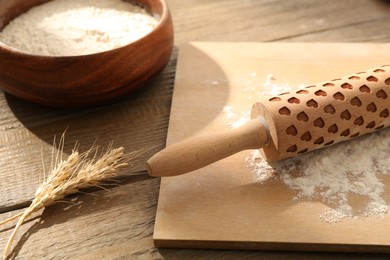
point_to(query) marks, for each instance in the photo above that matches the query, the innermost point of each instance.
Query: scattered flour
(269, 86)
(347, 177)
(214, 81)
(234, 120)
(336, 174)
(74, 27)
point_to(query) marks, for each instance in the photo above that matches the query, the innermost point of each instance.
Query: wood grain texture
(141, 121)
(276, 20)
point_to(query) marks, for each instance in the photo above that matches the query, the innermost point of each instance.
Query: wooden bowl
(84, 80)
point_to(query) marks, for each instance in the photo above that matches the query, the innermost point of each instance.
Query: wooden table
(118, 224)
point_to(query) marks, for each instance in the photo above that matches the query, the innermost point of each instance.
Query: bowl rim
(163, 18)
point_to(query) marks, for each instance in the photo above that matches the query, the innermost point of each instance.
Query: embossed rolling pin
(290, 124)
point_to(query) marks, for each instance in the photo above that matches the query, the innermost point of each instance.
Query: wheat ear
(68, 176)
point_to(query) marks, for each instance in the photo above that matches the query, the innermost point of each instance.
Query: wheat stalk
(68, 176)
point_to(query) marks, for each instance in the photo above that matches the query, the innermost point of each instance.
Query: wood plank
(369, 31)
(220, 205)
(117, 223)
(277, 20)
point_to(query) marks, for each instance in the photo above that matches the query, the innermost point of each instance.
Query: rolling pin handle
(198, 152)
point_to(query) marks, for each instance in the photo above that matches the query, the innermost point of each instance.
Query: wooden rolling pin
(291, 123)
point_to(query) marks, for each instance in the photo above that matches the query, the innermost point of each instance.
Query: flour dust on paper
(349, 177)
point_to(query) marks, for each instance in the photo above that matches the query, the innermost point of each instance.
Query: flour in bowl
(74, 27)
